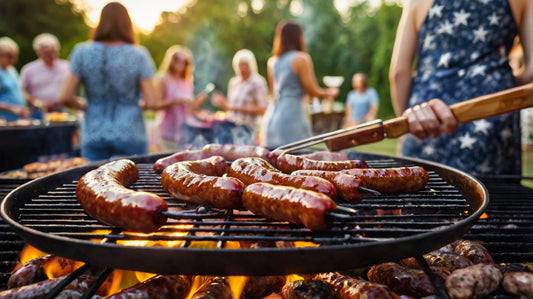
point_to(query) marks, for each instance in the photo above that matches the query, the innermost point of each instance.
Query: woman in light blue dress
(290, 77)
(114, 71)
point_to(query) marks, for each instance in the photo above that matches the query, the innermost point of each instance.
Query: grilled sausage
(75, 289)
(347, 185)
(351, 288)
(192, 155)
(35, 270)
(103, 194)
(476, 281)
(473, 251)
(232, 152)
(201, 182)
(391, 180)
(159, 286)
(289, 163)
(261, 286)
(326, 156)
(403, 280)
(255, 170)
(214, 288)
(449, 261)
(519, 284)
(285, 203)
(308, 289)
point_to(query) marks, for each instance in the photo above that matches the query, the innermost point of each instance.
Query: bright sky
(144, 14)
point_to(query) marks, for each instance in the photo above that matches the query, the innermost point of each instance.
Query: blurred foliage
(360, 40)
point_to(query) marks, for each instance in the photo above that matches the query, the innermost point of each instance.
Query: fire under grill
(215, 242)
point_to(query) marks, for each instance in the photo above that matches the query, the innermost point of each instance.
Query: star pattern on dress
(447, 27)
(436, 11)
(445, 59)
(461, 17)
(478, 70)
(482, 126)
(494, 19)
(467, 141)
(480, 34)
(428, 150)
(428, 42)
(484, 1)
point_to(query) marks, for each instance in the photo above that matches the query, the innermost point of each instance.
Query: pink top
(247, 93)
(171, 120)
(44, 82)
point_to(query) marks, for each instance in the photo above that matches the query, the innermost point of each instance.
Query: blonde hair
(166, 63)
(45, 39)
(6, 44)
(244, 55)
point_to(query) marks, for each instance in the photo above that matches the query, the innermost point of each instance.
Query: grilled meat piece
(473, 251)
(159, 286)
(34, 270)
(476, 281)
(351, 288)
(449, 261)
(75, 289)
(519, 284)
(308, 289)
(261, 286)
(214, 288)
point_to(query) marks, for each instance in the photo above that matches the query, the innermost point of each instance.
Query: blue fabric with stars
(462, 53)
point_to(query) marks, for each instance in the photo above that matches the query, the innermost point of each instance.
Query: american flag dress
(463, 48)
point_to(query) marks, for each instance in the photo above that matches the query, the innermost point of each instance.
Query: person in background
(176, 89)
(290, 76)
(247, 93)
(12, 103)
(361, 103)
(113, 70)
(462, 51)
(41, 79)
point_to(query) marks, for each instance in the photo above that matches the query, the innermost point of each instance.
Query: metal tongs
(474, 109)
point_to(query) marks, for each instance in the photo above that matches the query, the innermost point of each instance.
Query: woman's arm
(302, 65)
(151, 100)
(68, 95)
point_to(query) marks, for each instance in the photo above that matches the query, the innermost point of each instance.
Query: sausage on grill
(255, 170)
(476, 281)
(326, 156)
(391, 180)
(312, 288)
(473, 251)
(286, 203)
(447, 260)
(103, 194)
(289, 163)
(232, 152)
(261, 286)
(35, 270)
(349, 288)
(159, 286)
(202, 182)
(347, 185)
(75, 289)
(519, 284)
(188, 155)
(214, 288)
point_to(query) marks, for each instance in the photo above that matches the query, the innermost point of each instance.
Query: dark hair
(114, 24)
(289, 36)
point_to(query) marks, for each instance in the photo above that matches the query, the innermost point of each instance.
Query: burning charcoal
(160, 286)
(308, 289)
(347, 287)
(260, 286)
(214, 288)
(35, 270)
(476, 281)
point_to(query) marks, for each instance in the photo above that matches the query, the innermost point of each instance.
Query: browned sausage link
(519, 284)
(447, 260)
(162, 163)
(326, 156)
(159, 286)
(473, 251)
(214, 288)
(35, 270)
(312, 288)
(391, 180)
(255, 170)
(75, 289)
(476, 281)
(232, 152)
(200, 182)
(289, 163)
(286, 203)
(347, 287)
(347, 185)
(403, 280)
(261, 286)
(103, 194)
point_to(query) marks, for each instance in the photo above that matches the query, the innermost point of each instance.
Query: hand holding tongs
(477, 108)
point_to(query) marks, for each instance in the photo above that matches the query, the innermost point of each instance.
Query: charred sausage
(35, 270)
(162, 163)
(312, 288)
(347, 185)
(159, 286)
(103, 194)
(201, 182)
(232, 152)
(255, 170)
(476, 281)
(261, 286)
(348, 288)
(75, 289)
(289, 163)
(450, 261)
(285, 203)
(473, 251)
(214, 288)
(391, 180)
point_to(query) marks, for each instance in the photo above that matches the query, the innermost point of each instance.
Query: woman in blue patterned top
(114, 71)
(461, 49)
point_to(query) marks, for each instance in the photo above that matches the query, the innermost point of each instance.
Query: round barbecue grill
(46, 214)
